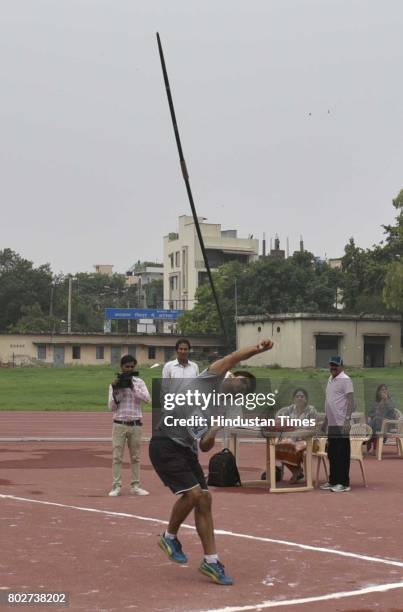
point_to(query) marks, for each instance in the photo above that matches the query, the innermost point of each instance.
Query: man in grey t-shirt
(172, 453)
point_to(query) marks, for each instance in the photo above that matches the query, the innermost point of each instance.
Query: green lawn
(86, 388)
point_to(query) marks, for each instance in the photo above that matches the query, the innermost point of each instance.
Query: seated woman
(290, 451)
(382, 408)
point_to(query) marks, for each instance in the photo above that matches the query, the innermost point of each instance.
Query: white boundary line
(63, 439)
(264, 604)
(233, 534)
(382, 588)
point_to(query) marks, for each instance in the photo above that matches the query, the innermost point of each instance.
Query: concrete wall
(286, 336)
(351, 340)
(295, 339)
(22, 349)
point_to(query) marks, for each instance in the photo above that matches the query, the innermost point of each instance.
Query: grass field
(84, 388)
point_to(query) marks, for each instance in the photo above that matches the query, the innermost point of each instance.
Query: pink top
(129, 401)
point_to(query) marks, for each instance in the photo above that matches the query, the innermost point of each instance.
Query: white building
(184, 268)
(142, 273)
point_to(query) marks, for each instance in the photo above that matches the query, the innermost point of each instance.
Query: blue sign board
(142, 313)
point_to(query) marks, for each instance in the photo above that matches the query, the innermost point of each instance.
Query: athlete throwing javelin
(173, 453)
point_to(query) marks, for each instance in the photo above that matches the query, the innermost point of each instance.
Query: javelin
(189, 191)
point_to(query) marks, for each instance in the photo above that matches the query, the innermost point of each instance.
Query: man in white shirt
(339, 406)
(181, 367)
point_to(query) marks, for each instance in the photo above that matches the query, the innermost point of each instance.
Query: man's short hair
(128, 359)
(182, 341)
(250, 376)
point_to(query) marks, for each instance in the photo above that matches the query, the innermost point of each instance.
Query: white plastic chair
(321, 458)
(358, 417)
(359, 433)
(391, 429)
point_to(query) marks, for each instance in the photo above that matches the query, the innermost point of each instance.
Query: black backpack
(223, 471)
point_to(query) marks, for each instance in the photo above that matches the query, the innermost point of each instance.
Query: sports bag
(223, 471)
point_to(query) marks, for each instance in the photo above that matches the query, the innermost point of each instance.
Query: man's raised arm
(221, 366)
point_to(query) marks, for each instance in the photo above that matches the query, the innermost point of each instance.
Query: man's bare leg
(204, 523)
(182, 508)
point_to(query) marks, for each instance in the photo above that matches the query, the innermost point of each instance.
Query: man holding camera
(125, 394)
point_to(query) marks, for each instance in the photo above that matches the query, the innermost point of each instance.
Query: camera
(125, 380)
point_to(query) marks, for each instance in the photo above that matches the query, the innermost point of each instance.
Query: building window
(184, 268)
(171, 259)
(100, 352)
(173, 282)
(151, 352)
(41, 348)
(177, 259)
(76, 352)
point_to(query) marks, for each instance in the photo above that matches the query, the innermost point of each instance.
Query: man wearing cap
(339, 406)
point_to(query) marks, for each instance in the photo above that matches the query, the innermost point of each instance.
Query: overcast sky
(290, 112)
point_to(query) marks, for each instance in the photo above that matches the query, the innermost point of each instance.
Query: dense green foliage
(33, 300)
(369, 281)
(296, 284)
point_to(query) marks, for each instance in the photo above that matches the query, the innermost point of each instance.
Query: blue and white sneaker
(173, 548)
(216, 573)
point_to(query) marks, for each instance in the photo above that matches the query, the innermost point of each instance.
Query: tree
(393, 289)
(21, 286)
(366, 270)
(91, 295)
(154, 294)
(363, 274)
(33, 320)
(394, 233)
(269, 285)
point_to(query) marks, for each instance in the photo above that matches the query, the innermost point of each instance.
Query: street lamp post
(69, 306)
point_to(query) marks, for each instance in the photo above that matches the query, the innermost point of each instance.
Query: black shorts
(176, 465)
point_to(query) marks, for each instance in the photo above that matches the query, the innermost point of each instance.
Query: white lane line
(223, 532)
(382, 588)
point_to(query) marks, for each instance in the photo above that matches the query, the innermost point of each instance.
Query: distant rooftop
(317, 316)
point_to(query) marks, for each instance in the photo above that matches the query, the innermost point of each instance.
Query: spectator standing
(181, 367)
(125, 395)
(339, 406)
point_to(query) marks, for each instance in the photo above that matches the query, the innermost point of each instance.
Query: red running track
(108, 561)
